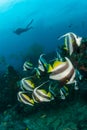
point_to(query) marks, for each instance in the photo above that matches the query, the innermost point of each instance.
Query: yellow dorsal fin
(57, 63)
(28, 98)
(44, 91)
(32, 101)
(49, 94)
(50, 68)
(30, 82)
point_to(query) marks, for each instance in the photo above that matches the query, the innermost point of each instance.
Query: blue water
(52, 18)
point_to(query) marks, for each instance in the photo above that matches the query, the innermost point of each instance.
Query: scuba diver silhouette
(20, 30)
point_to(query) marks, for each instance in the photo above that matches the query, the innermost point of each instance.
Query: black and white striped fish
(64, 72)
(71, 41)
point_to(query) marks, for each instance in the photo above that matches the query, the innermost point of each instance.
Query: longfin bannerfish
(64, 72)
(42, 64)
(27, 66)
(27, 84)
(73, 39)
(25, 98)
(41, 95)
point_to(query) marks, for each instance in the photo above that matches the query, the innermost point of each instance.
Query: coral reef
(8, 88)
(67, 115)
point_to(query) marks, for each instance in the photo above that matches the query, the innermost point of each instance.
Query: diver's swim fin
(29, 23)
